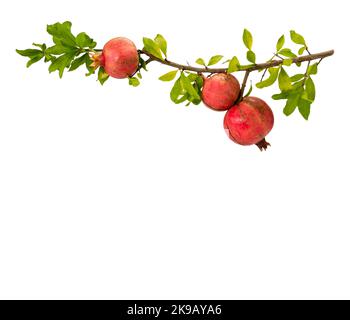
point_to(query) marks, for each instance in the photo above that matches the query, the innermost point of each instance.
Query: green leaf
(249, 91)
(61, 63)
(251, 56)
(287, 62)
(304, 108)
(29, 52)
(287, 53)
(297, 38)
(76, 63)
(59, 49)
(102, 76)
(200, 61)
(214, 60)
(41, 46)
(187, 86)
(88, 63)
(142, 63)
(83, 41)
(177, 93)
(284, 81)
(291, 104)
(61, 33)
(301, 50)
(247, 39)
(297, 77)
(168, 76)
(162, 44)
(312, 69)
(35, 59)
(280, 96)
(280, 43)
(270, 80)
(233, 65)
(152, 47)
(134, 81)
(310, 89)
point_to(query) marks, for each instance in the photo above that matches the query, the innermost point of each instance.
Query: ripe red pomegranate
(119, 58)
(249, 122)
(220, 91)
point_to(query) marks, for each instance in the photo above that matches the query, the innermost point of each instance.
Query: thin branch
(259, 66)
(244, 83)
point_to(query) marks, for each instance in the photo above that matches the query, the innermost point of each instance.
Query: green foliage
(233, 65)
(247, 39)
(168, 76)
(284, 81)
(280, 43)
(287, 53)
(312, 69)
(270, 80)
(249, 91)
(102, 75)
(68, 51)
(251, 56)
(133, 81)
(297, 38)
(152, 47)
(187, 88)
(161, 42)
(214, 60)
(201, 62)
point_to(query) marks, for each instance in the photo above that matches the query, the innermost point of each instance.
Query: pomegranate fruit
(119, 58)
(249, 122)
(220, 91)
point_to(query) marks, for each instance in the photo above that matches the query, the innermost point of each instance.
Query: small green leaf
(233, 65)
(287, 53)
(312, 69)
(160, 40)
(102, 75)
(284, 81)
(35, 59)
(251, 56)
(201, 62)
(76, 63)
(269, 81)
(41, 46)
(249, 91)
(287, 62)
(168, 76)
(304, 108)
(88, 63)
(310, 89)
(301, 50)
(134, 81)
(152, 47)
(83, 41)
(247, 39)
(291, 104)
(29, 52)
(297, 38)
(214, 60)
(297, 77)
(187, 86)
(280, 96)
(61, 33)
(139, 75)
(280, 43)
(61, 63)
(59, 49)
(177, 93)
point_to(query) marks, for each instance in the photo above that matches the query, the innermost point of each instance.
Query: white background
(115, 192)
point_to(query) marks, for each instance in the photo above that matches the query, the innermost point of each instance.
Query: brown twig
(259, 66)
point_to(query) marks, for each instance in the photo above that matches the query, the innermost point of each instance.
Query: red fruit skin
(120, 58)
(249, 121)
(220, 91)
